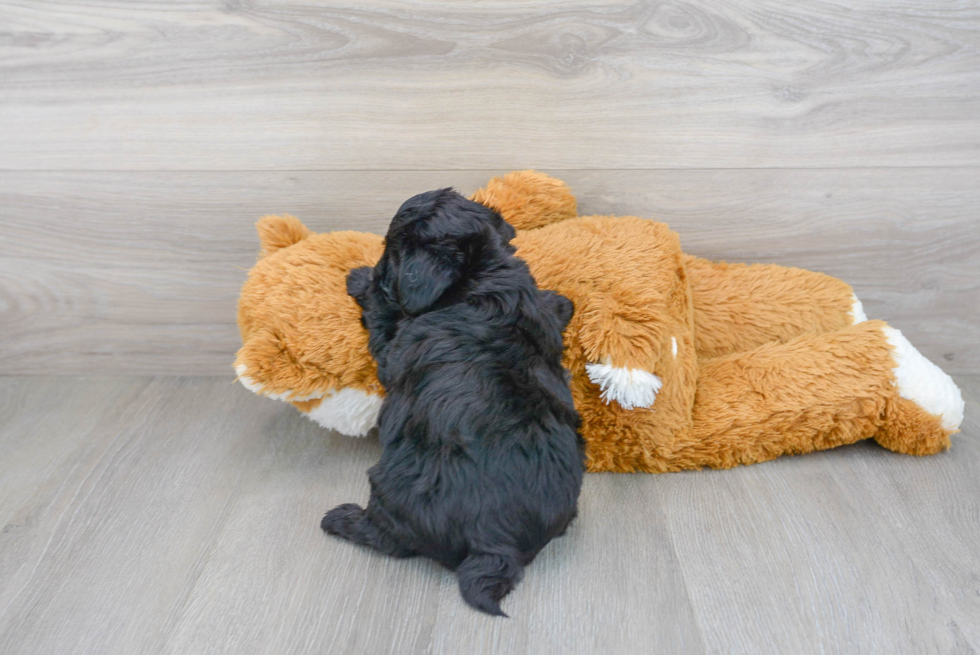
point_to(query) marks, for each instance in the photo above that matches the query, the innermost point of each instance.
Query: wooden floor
(181, 515)
(141, 139)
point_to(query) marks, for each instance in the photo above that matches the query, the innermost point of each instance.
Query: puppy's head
(436, 242)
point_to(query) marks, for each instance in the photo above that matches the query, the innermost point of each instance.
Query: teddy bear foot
(928, 407)
(910, 430)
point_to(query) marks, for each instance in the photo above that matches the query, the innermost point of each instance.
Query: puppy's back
(482, 461)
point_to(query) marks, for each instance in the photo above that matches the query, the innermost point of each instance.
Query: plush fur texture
(482, 461)
(528, 200)
(755, 361)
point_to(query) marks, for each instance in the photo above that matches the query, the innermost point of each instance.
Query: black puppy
(482, 461)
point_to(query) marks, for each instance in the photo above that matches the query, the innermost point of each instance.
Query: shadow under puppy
(482, 461)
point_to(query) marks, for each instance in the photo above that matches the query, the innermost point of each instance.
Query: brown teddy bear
(677, 362)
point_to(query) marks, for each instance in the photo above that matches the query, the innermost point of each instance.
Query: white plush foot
(857, 310)
(924, 383)
(630, 387)
(349, 411)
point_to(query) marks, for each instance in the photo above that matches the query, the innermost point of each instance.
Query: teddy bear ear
(276, 232)
(528, 199)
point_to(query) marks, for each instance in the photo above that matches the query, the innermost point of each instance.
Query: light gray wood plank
(207, 85)
(42, 421)
(134, 272)
(925, 511)
(181, 515)
(585, 593)
(192, 525)
(846, 551)
(124, 516)
(613, 584)
(46, 428)
(275, 582)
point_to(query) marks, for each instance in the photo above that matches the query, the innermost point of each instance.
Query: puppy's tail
(486, 578)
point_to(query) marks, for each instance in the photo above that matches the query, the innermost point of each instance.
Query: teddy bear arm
(528, 199)
(632, 320)
(738, 307)
(630, 337)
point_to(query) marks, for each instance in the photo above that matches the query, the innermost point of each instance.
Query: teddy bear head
(302, 338)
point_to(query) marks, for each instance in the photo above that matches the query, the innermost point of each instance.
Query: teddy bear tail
(927, 408)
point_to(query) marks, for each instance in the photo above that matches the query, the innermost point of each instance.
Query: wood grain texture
(139, 272)
(180, 515)
(288, 85)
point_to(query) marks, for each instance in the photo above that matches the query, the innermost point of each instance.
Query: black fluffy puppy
(482, 461)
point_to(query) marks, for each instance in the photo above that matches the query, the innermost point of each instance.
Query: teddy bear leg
(738, 307)
(528, 199)
(817, 392)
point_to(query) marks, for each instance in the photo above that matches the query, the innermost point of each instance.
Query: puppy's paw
(341, 519)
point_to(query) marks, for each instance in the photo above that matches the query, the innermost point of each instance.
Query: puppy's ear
(423, 276)
(505, 229)
(358, 281)
(561, 306)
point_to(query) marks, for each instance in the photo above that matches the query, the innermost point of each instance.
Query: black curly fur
(482, 462)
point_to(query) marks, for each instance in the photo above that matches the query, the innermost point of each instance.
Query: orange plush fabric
(632, 303)
(301, 332)
(677, 362)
